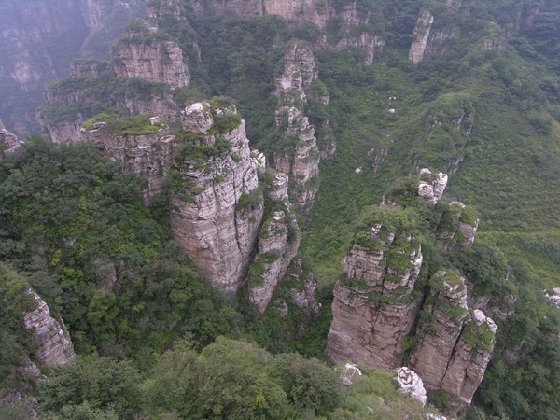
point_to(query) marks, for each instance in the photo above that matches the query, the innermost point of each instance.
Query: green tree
(101, 383)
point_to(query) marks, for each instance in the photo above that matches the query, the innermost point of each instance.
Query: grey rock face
(8, 141)
(420, 37)
(437, 333)
(276, 251)
(301, 164)
(54, 346)
(149, 156)
(373, 310)
(431, 186)
(472, 354)
(304, 289)
(88, 68)
(155, 61)
(218, 211)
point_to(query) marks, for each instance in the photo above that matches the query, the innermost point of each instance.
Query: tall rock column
(441, 323)
(218, 205)
(299, 157)
(374, 307)
(279, 240)
(472, 354)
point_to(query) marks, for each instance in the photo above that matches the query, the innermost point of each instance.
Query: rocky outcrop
(380, 308)
(149, 156)
(431, 186)
(8, 141)
(279, 240)
(374, 306)
(441, 323)
(66, 131)
(353, 28)
(301, 163)
(88, 93)
(428, 40)
(458, 226)
(218, 205)
(300, 159)
(53, 343)
(299, 71)
(142, 56)
(302, 289)
(411, 384)
(470, 359)
(348, 373)
(278, 244)
(554, 298)
(420, 37)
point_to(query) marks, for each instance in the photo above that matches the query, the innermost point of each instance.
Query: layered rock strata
(377, 305)
(374, 307)
(148, 156)
(88, 68)
(440, 325)
(143, 57)
(471, 356)
(278, 244)
(53, 343)
(9, 142)
(33, 37)
(299, 160)
(354, 31)
(218, 205)
(303, 288)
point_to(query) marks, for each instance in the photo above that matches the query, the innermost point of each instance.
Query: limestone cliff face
(431, 186)
(354, 31)
(440, 325)
(150, 59)
(276, 250)
(380, 300)
(300, 160)
(301, 163)
(54, 346)
(374, 307)
(8, 141)
(148, 156)
(429, 39)
(420, 37)
(472, 354)
(219, 206)
(279, 240)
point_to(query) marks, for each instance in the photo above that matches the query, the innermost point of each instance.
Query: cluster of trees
(227, 379)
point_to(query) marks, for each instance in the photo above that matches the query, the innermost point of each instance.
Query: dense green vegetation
(490, 117)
